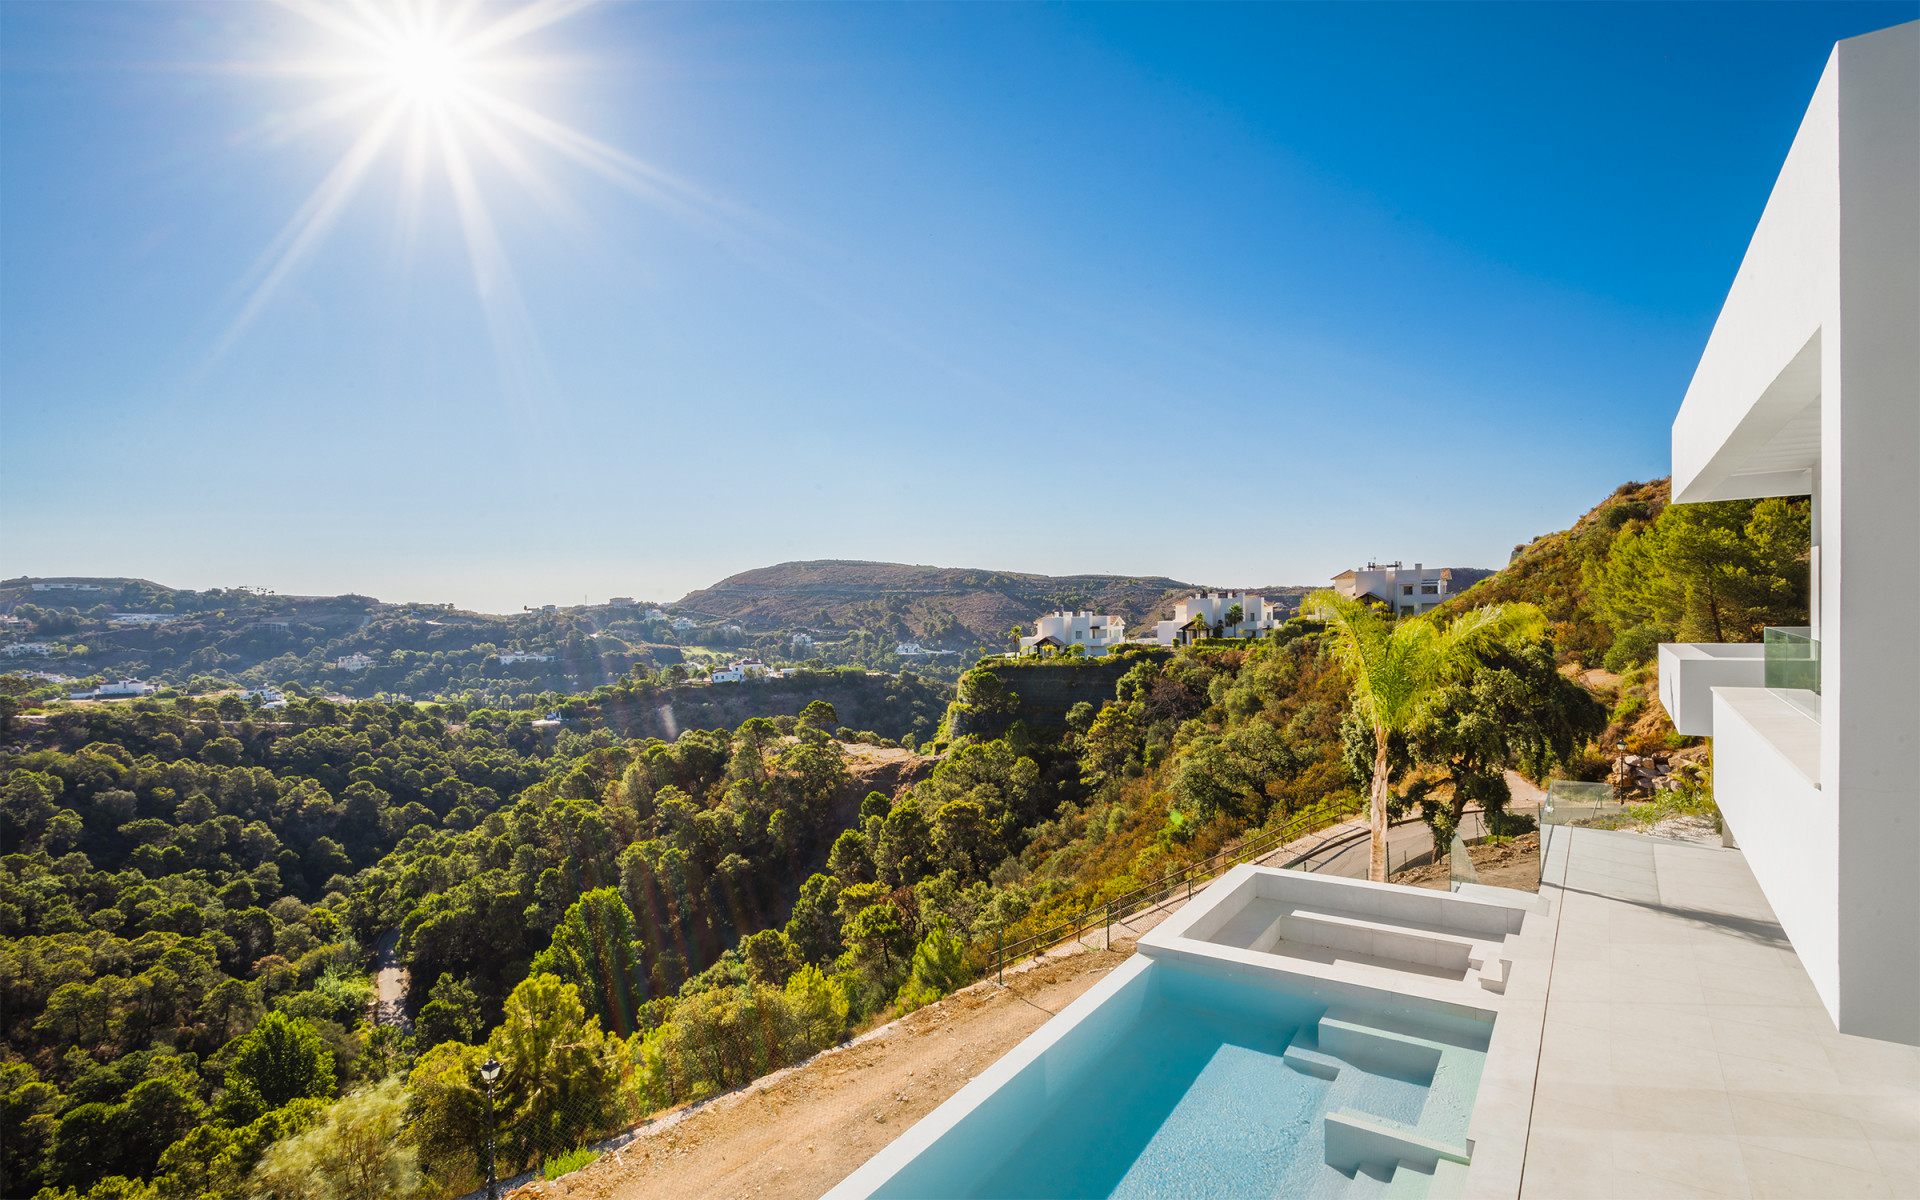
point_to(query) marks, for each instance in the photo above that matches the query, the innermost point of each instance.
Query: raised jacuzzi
(1283, 1035)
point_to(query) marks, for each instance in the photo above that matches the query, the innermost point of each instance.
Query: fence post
(999, 954)
(1109, 935)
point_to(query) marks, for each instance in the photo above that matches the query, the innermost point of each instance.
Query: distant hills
(829, 612)
(934, 604)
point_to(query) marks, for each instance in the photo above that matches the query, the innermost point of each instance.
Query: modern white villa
(1096, 633)
(1663, 1017)
(1810, 386)
(1406, 591)
(1258, 616)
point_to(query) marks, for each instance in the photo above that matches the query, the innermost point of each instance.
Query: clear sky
(633, 297)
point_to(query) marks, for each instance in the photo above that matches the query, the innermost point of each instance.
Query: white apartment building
(1093, 632)
(142, 618)
(1405, 591)
(517, 656)
(22, 649)
(1258, 616)
(353, 662)
(1810, 386)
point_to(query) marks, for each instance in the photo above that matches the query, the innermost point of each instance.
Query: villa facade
(1258, 616)
(1405, 591)
(1810, 386)
(1096, 633)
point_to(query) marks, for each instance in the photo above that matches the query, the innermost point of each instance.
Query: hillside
(1547, 570)
(944, 605)
(826, 614)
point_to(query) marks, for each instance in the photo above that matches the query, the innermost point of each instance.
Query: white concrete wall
(1810, 385)
(1870, 528)
(1788, 829)
(1689, 671)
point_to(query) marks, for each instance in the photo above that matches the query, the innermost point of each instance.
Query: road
(1344, 849)
(390, 984)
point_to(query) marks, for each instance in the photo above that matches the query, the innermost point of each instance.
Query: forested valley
(193, 894)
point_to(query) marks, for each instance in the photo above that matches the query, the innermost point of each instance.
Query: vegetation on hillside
(190, 889)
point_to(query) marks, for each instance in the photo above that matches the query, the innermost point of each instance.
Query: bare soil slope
(797, 1133)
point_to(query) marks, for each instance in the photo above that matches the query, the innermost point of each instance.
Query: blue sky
(1242, 295)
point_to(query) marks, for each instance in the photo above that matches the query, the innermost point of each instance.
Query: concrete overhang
(1773, 445)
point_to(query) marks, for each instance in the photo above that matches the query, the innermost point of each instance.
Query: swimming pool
(1181, 1079)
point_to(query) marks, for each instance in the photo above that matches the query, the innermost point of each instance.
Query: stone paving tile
(1685, 1051)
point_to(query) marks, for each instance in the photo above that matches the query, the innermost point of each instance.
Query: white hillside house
(520, 656)
(739, 671)
(1093, 632)
(1406, 592)
(1258, 616)
(353, 662)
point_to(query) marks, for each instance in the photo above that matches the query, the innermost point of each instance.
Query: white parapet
(1689, 671)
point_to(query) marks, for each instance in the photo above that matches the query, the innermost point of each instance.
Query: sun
(425, 68)
(443, 87)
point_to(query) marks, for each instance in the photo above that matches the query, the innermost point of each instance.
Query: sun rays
(441, 90)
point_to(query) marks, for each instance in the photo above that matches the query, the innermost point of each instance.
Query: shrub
(572, 1160)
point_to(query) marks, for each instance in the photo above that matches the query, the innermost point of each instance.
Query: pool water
(1194, 1103)
(1178, 1081)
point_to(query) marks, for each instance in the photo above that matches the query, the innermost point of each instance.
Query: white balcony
(1689, 671)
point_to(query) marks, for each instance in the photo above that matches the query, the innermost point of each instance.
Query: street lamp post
(1620, 771)
(490, 1071)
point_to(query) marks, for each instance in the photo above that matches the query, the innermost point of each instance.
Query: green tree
(451, 1013)
(1396, 667)
(1516, 711)
(905, 852)
(361, 1148)
(818, 714)
(597, 948)
(1713, 572)
(448, 1108)
(820, 1008)
(813, 929)
(878, 936)
(769, 959)
(282, 1059)
(560, 1073)
(849, 860)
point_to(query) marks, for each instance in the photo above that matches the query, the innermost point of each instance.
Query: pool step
(1378, 939)
(1358, 1139)
(1381, 1157)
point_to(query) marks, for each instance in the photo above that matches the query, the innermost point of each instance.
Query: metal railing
(1178, 884)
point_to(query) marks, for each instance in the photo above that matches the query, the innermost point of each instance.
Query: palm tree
(1235, 616)
(1396, 667)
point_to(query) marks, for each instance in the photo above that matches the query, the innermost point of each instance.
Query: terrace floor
(1684, 1051)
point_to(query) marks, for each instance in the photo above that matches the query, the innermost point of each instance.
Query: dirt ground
(800, 1131)
(1514, 864)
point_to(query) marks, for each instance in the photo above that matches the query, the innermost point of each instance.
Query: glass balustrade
(1793, 666)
